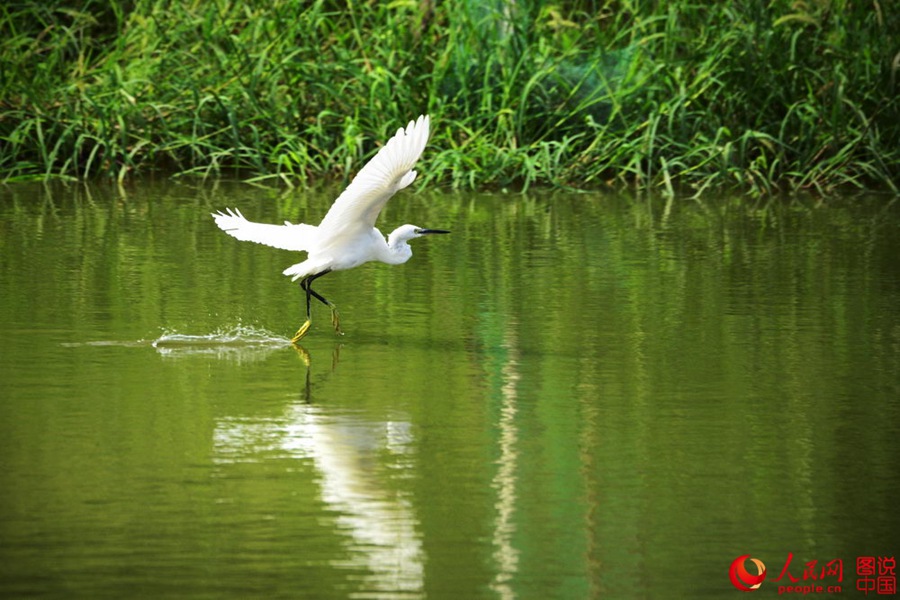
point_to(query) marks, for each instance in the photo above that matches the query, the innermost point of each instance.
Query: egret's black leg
(335, 316)
(306, 284)
(316, 295)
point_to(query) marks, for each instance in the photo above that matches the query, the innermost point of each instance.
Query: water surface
(571, 396)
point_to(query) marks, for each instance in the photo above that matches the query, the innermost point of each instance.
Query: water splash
(241, 341)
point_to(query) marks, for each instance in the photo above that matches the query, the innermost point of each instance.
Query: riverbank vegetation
(756, 95)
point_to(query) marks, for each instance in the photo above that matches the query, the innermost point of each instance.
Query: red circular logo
(741, 577)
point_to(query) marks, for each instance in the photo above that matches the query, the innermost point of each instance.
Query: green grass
(765, 96)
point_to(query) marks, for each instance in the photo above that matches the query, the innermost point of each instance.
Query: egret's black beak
(424, 231)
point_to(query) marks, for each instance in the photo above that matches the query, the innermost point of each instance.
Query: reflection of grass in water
(655, 94)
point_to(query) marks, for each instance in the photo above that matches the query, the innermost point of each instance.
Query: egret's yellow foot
(336, 320)
(301, 332)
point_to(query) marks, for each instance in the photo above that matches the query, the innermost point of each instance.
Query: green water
(571, 396)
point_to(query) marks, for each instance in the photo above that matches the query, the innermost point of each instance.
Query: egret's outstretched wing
(389, 170)
(287, 236)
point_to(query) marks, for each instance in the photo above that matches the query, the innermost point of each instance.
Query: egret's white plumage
(347, 236)
(287, 237)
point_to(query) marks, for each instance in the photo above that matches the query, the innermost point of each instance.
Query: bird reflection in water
(358, 460)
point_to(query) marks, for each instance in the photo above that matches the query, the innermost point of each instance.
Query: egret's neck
(398, 249)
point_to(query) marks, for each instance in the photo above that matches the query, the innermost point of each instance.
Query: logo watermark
(741, 578)
(875, 575)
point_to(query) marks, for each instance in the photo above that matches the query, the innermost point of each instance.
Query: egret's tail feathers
(299, 270)
(287, 237)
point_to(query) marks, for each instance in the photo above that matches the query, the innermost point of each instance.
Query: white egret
(347, 236)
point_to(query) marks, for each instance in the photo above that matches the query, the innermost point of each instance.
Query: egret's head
(405, 233)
